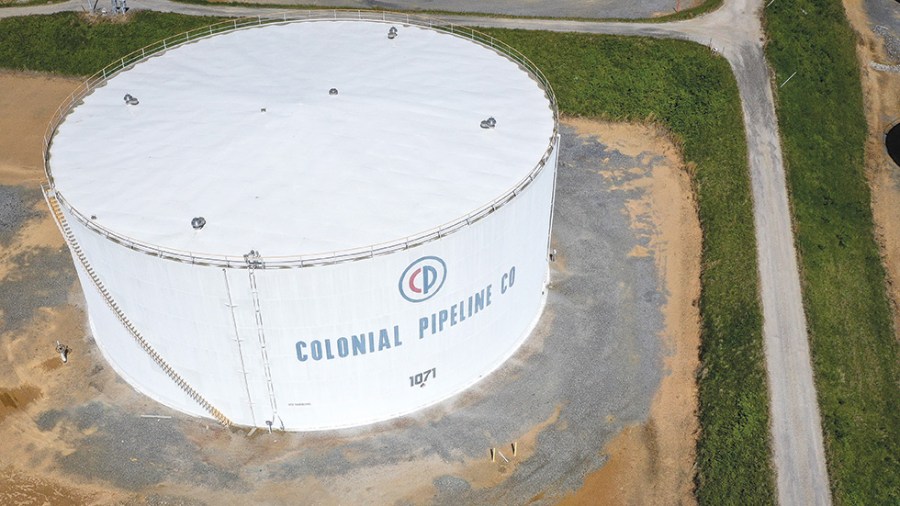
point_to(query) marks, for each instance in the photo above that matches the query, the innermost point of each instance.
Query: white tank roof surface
(240, 129)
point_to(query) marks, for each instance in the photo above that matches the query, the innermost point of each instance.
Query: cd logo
(423, 278)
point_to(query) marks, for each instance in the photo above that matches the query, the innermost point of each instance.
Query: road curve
(735, 31)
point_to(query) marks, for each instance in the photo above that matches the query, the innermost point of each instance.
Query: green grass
(682, 86)
(854, 349)
(703, 8)
(677, 84)
(65, 43)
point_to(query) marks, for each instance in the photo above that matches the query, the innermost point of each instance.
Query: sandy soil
(26, 113)
(647, 464)
(652, 463)
(880, 91)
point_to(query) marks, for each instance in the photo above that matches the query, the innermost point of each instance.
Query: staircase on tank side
(60, 218)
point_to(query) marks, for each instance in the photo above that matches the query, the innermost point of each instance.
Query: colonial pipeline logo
(423, 278)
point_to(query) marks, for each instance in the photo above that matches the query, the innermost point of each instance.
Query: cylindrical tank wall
(334, 345)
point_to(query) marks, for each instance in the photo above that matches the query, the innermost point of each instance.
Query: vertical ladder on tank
(72, 242)
(255, 261)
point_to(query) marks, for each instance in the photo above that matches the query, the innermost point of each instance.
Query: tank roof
(246, 130)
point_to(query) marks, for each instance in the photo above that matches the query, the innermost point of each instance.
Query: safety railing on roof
(140, 55)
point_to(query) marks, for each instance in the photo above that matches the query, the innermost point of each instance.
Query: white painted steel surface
(397, 151)
(284, 344)
(183, 310)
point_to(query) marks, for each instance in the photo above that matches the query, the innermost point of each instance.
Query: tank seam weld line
(237, 338)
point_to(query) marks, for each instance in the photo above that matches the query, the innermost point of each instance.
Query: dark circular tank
(892, 143)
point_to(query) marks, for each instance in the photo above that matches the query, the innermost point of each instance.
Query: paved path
(70, 5)
(734, 31)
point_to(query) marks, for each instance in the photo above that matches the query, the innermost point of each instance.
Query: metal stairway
(60, 218)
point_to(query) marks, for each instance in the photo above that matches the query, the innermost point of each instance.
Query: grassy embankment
(65, 43)
(677, 84)
(855, 355)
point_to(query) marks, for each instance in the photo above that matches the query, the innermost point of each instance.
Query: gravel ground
(16, 207)
(34, 282)
(590, 368)
(891, 39)
(118, 440)
(38, 277)
(885, 17)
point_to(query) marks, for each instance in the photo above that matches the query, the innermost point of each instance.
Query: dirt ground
(29, 376)
(649, 463)
(881, 91)
(652, 463)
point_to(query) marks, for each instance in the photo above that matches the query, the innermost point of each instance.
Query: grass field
(854, 349)
(65, 43)
(677, 84)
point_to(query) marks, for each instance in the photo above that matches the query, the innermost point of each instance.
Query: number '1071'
(422, 377)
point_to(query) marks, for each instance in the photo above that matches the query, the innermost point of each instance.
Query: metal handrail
(307, 260)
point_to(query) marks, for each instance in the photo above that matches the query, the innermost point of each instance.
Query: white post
(788, 79)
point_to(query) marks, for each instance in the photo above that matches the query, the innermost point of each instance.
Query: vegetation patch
(854, 348)
(78, 44)
(678, 84)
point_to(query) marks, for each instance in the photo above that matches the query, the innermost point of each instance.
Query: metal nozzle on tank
(63, 351)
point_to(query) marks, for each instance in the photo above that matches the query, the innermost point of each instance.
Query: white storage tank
(311, 223)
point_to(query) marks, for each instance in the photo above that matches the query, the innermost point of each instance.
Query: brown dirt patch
(25, 490)
(15, 399)
(882, 108)
(28, 102)
(653, 463)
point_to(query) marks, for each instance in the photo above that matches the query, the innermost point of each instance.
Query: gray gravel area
(16, 207)
(38, 277)
(891, 38)
(595, 359)
(135, 453)
(885, 13)
(33, 283)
